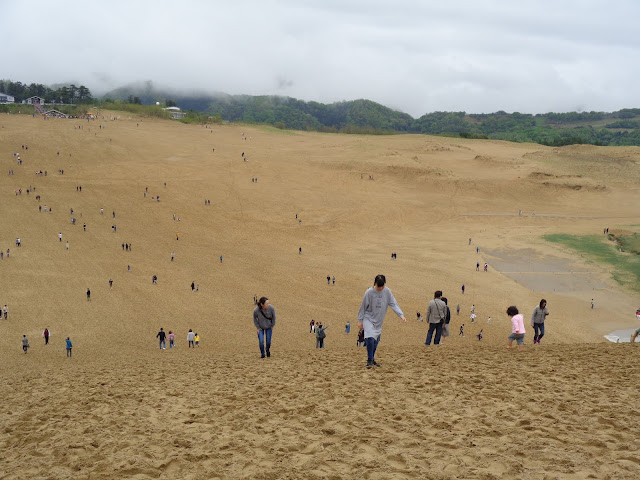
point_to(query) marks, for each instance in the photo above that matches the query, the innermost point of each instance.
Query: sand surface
(121, 408)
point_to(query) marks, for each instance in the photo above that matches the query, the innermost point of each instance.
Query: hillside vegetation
(620, 128)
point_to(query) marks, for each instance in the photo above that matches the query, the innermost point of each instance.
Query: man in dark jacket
(162, 336)
(264, 319)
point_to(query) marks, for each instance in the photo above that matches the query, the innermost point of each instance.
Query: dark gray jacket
(264, 319)
(539, 314)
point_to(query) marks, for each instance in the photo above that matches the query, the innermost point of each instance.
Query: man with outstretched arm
(371, 315)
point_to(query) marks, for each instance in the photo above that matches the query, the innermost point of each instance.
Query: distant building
(34, 100)
(176, 113)
(55, 113)
(4, 98)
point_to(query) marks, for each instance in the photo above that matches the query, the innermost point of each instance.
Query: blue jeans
(371, 344)
(261, 340)
(538, 327)
(438, 328)
(163, 343)
(171, 343)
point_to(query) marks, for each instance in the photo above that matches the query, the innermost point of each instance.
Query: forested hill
(364, 116)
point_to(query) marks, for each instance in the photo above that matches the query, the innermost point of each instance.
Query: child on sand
(196, 339)
(461, 334)
(69, 346)
(517, 327)
(25, 343)
(172, 339)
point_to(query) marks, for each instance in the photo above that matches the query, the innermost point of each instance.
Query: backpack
(321, 334)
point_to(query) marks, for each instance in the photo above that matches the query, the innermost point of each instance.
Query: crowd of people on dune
(376, 300)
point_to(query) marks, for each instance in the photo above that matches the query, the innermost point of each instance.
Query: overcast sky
(411, 55)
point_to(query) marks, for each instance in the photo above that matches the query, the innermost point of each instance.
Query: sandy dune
(123, 409)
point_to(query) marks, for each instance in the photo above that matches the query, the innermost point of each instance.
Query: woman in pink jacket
(517, 327)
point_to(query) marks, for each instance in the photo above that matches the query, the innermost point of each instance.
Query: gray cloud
(416, 56)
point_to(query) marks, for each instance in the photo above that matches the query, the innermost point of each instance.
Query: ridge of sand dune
(559, 411)
(120, 408)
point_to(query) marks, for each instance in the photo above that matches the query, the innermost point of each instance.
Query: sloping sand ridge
(121, 408)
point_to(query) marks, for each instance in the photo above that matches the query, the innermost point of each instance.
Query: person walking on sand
(264, 319)
(436, 316)
(5, 311)
(25, 343)
(88, 295)
(312, 324)
(347, 327)
(193, 286)
(463, 288)
(592, 304)
(111, 284)
(517, 327)
(537, 320)
(458, 310)
(190, 338)
(162, 337)
(69, 346)
(371, 315)
(447, 320)
(461, 334)
(172, 339)
(196, 340)
(46, 334)
(320, 336)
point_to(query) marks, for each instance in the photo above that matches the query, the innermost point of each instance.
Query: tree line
(364, 116)
(63, 94)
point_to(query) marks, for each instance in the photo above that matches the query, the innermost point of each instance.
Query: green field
(625, 266)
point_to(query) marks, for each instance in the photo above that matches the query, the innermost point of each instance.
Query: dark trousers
(46, 340)
(539, 331)
(438, 329)
(264, 336)
(371, 344)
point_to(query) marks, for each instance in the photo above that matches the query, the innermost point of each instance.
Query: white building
(176, 113)
(35, 101)
(4, 98)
